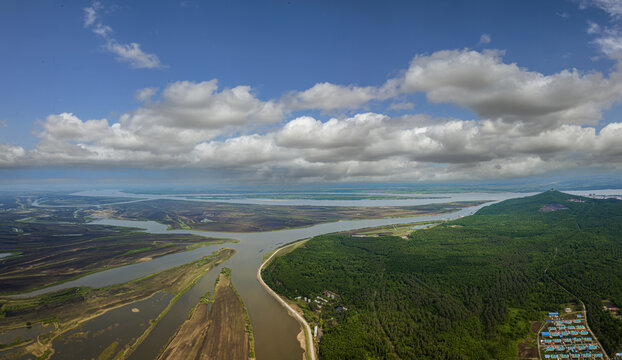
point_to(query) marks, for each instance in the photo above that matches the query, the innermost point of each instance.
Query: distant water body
(422, 199)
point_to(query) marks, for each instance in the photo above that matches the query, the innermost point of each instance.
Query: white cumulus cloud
(524, 123)
(492, 89)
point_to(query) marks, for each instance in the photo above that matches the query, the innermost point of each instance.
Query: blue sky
(311, 91)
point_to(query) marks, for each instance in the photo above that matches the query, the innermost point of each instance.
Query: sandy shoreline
(308, 348)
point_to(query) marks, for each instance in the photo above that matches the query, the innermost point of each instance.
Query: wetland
(268, 318)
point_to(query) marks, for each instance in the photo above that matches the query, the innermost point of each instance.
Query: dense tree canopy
(464, 289)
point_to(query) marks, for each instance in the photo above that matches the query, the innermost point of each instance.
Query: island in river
(229, 217)
(226, 333)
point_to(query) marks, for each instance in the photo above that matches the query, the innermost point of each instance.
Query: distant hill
(473, 288)
(531, 204)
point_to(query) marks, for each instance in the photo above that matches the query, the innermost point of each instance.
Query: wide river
(275, 330)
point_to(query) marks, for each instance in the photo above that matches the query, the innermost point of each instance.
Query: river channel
(275, 330)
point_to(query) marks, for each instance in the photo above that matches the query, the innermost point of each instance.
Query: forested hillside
(466, 289)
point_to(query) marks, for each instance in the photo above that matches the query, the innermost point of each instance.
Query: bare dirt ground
(226, 335)
(185, 345)
(221, 335)
(526, 351)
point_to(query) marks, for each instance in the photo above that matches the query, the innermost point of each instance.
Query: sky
(309, 91)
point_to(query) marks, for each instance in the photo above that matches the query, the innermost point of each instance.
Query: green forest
(465, 289)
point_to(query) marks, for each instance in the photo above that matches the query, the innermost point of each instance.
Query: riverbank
(309, 349)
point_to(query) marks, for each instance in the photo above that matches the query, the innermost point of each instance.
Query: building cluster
(608, 306)
(319, 300)
(594, 196)
(303, 298)
(568, 339)
(329, 294)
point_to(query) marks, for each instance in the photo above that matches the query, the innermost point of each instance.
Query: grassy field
(68, 308)
(248, 218)
(224, 334)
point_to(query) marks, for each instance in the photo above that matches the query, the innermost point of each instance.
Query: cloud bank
(524, 123)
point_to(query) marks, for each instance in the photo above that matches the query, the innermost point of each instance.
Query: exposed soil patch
(527, 351)
(221, 335)
(226, 336)
(552, 207)
(187, 342)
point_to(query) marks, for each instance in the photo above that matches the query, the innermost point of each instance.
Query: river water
(275, 330)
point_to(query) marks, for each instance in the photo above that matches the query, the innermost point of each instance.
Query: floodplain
(229, 217)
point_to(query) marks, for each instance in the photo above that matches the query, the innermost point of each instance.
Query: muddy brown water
(121, 325)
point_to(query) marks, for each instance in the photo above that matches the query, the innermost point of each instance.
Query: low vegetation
(52, 245)
(213, 216)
